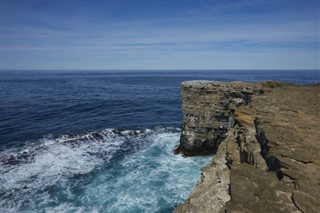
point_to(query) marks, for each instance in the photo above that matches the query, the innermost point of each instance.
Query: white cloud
(188, 34)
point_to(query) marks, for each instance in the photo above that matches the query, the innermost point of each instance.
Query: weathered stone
(254, 190)
(213, 187)
(208, 112)
(272, 148)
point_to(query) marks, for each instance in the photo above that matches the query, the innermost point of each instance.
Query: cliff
(266, 139)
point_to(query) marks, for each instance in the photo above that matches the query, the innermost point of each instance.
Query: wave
(74, 152)
(109, 138)
(96, 171)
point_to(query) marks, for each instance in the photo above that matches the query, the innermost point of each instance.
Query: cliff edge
(266, 139)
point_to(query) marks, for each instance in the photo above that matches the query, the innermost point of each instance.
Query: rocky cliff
(266, 140)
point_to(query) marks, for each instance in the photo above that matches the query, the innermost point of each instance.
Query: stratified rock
(269, 157)
(208, 112)
(213, 188)
(289, 128)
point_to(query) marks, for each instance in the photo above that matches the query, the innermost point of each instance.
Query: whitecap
(109, 170)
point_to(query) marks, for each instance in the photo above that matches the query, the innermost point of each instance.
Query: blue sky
(160, 34)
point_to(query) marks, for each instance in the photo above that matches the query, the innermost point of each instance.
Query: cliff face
(208, 112)
(266, 139)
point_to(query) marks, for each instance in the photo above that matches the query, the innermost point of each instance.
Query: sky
(159, 35)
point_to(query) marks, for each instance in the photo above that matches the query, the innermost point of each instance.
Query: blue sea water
(101, 141)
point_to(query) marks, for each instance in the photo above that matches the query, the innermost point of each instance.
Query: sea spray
(104, 171)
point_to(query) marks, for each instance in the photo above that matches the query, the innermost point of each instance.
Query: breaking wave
(110, 170)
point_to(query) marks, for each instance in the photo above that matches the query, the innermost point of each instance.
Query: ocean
(101, 141)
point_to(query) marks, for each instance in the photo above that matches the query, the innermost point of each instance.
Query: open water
(101, 141)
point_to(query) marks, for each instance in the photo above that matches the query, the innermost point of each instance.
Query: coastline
(268, 159)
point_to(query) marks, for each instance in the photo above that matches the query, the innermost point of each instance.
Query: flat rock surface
(254, 190)
(288, 116)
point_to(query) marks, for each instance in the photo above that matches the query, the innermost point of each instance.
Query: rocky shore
(266, 140)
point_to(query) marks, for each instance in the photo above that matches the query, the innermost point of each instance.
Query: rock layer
(212, 189)
(268, 159)
(208, 109)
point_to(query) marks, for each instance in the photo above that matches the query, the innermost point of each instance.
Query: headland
(266, 140)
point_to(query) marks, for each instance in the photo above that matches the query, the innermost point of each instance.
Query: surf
(110, 170)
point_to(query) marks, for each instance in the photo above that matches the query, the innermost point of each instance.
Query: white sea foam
(154, 178)
(108, 171)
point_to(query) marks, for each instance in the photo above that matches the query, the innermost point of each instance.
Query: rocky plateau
(266, 143)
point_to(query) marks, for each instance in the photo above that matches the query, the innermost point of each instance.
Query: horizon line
(280, 69)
